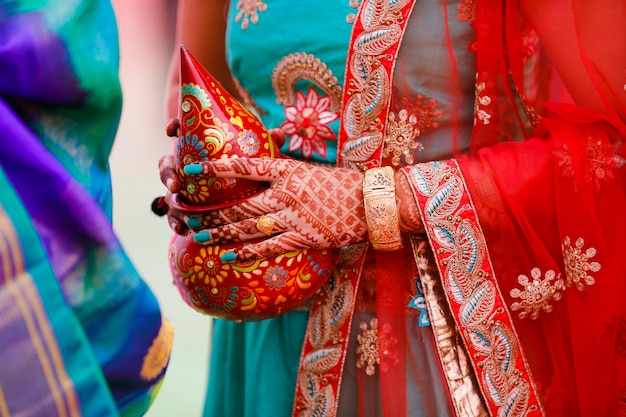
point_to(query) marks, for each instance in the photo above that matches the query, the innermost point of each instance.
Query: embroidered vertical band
(327, 336)
(381, 213)
(475, 299)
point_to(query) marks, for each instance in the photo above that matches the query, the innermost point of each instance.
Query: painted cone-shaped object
(214, 125)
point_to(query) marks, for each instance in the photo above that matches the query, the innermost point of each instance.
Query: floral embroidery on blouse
(537, 293)
(402, 138)
(602, 158)
(307, 123)
(466, 11)
(248, 12)
(577, 265)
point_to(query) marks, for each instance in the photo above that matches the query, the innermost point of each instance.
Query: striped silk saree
(80, 332)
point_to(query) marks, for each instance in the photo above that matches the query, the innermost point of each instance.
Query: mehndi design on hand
(312, 206)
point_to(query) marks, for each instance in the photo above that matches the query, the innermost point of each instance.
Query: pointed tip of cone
(192, 71)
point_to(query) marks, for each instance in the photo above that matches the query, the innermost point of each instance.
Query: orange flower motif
(208, 267)
(307, 123)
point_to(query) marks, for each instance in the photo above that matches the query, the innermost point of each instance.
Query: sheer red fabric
(552, 206)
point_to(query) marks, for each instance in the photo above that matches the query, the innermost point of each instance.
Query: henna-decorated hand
(307, 206)
(408, 211)
(181, 221)
(162, 205)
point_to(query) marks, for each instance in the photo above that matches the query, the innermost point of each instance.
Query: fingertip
(172, 127)
(193, 169)
(228, 257)
(278, 136)
(159, 207)
(173, 185)
(194, 222)
(202, 237)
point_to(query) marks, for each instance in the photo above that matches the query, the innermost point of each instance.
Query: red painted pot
(246, 291)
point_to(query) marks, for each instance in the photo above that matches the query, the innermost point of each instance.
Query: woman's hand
(306, 206)
(162, 205)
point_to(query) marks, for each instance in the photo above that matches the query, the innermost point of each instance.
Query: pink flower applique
(307, 123)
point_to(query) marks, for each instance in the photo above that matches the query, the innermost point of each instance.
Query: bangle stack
(380, 209)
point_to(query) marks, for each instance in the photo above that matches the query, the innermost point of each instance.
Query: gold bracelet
(379, 196)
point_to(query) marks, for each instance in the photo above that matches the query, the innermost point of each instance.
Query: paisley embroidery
(248, 12)
(468, 280)
(602, 158)
(418, 302)
(367, 347)
(326, 338)
(537, 294)
(378, 31)
(301, 66)
(577, 264)
(307, 123)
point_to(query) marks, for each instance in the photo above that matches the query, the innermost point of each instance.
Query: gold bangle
(379, 197)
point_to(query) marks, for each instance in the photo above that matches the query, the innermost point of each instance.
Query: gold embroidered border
(376, 36)
(468, 279)
(326, 339)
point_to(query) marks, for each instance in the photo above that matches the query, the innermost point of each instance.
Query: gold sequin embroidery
(301, 66)
(367, 347)
(577, 265)
(402, 138)
(537, 294)
(404, 130)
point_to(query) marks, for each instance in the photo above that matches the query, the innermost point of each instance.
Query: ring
(265, 224)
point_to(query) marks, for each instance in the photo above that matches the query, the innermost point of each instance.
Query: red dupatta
(528, 237)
